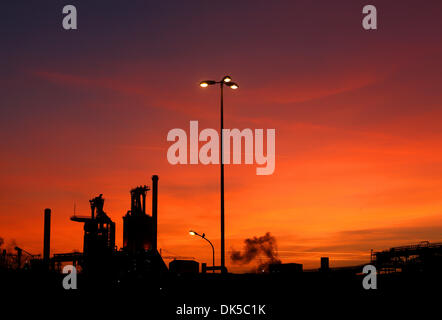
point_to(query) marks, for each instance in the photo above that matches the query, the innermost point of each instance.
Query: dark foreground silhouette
(135, 281)
(284, 295)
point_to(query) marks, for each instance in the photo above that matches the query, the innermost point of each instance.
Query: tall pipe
(144, 202)
(154, 211)
(19, 252)
(47, 236)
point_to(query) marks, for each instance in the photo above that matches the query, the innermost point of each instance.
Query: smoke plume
(255, 248)
(9, 246)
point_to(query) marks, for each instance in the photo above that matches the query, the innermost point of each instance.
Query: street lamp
(203, 236)
(225, 81)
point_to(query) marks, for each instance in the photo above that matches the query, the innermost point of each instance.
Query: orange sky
(357, 117)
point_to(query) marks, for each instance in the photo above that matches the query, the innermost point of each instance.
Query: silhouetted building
(325, 264)
(184, 267)
(99, 234)
(424, 256)
(140, 231)
(137, 225)
(285, 267)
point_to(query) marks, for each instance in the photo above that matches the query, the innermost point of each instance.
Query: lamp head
(192, 233)
(227, 79)
(206, 83)
(232, 85)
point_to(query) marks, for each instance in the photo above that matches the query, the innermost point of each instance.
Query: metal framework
(417, 257)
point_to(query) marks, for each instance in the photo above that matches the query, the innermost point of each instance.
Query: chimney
(144, 202)
(19, 252)
(154, 211)
(47, 236)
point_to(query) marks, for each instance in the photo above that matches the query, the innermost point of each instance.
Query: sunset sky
(357, 116)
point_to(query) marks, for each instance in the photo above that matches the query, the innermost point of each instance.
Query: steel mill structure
(420, 257)
(138, 259)
(100, 257)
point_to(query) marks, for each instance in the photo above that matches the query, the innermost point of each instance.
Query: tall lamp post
(203, 236)
(225, 81)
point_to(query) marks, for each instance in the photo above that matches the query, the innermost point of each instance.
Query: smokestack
(144, 202)
(47, 236)
(19, 252)
(154, 211)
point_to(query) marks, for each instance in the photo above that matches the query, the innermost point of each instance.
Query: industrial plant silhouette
(139, 266)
